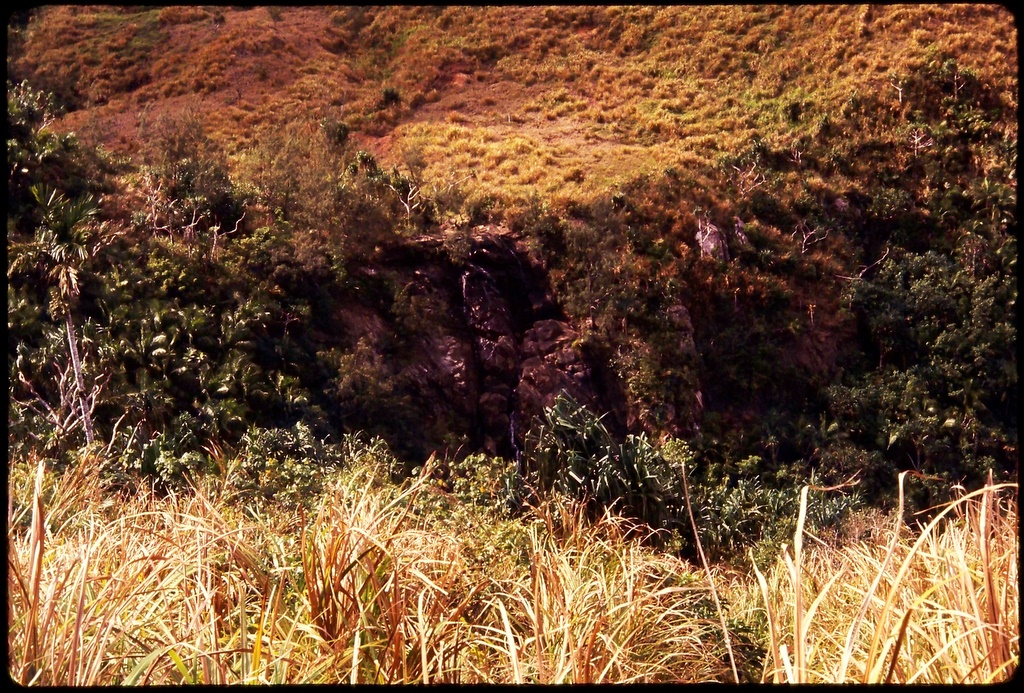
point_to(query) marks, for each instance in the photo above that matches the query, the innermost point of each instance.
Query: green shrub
(742, 509)
(574, 453)
(482, 480)
(290, 465)
(389, 96)
(336, 131)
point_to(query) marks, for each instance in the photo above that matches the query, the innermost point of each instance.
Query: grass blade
(136, 676)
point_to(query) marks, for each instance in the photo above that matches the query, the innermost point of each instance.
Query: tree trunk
(79, 381)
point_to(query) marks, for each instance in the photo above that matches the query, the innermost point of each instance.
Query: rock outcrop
(525, 350)
(486, 348)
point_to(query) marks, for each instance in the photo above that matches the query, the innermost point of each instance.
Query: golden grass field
(563, 101)
(377, 588)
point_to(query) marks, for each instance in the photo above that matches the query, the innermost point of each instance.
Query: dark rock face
(552, 363)
(452, 364)
(524, 354)
(486, 347)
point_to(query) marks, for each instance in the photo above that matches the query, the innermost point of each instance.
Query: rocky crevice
(525, 350)
(491, 352)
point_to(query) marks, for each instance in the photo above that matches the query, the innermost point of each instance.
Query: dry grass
(386, 599)
(140, 590)
(566, 102)
(594, 607)
(601, 94)
(187, 588)
(936, 606)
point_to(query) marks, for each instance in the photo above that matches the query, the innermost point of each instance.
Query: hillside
(512, 344)
(526, 98)
(784, 235)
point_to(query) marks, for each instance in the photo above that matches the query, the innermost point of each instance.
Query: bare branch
(958, 83)
(215, 231)
(919, 140)
(809, 236)
(898, 88)
(863, 270)
(408, 200)
(748, 180)
(450, 184)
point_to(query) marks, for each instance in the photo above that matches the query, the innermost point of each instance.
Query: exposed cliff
(476, 344)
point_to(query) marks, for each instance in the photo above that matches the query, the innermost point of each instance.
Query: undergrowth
(384, 582)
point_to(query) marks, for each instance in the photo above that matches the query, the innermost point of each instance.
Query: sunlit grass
(937, 605)
(377, 586)
(619, 90)
(187, 588)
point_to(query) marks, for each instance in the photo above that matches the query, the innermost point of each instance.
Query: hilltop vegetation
(539, 252)
(861, 320)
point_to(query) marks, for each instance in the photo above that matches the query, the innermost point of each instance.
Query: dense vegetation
(779, 274)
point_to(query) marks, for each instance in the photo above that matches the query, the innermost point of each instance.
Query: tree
(936, 392)
(38, 155)
(64, 240)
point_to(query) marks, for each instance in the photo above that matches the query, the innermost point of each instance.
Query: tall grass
(147, 590)
(938, 606)
(375, 586)
(386, 598)
(187, 588)
(595, 607)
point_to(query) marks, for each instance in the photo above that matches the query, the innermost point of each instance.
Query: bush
(290, 465)
(336, 131)
(389, 96)
(574, 453)
(186, 183)
(738, 511)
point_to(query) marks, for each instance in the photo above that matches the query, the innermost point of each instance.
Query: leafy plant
(945, 380)
(574, 453)
(287, 465)
(62, 245)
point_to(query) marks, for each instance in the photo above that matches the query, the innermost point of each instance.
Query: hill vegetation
(436, 330)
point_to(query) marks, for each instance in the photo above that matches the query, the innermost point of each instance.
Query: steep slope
(560, 100)
(785, 234)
